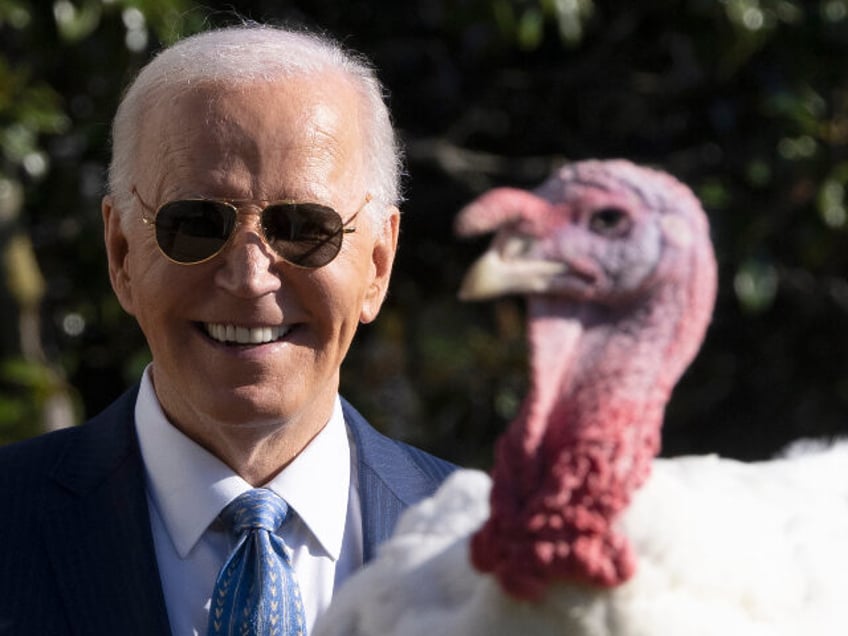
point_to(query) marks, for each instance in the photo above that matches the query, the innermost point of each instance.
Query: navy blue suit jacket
(76, 549)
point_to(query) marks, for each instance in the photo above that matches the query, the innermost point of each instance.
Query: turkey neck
(600, 382)
(582, 443)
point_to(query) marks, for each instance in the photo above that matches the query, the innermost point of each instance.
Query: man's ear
(382, 258)
(117, 253)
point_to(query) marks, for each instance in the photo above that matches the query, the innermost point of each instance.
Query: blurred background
(745, 100)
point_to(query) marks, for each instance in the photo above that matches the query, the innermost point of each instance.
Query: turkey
(580, 530)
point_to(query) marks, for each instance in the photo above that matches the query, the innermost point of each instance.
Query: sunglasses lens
(192, 231)
(306, 234)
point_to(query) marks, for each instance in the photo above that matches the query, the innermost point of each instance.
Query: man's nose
(248, 265)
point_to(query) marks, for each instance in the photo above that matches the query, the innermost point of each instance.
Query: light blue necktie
(256, 593)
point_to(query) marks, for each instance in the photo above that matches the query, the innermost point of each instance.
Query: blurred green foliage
(62, 67)
(745, 100)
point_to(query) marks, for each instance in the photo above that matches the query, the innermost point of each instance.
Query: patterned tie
(256, 592)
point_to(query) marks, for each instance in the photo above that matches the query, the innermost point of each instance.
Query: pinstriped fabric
(77, 497)
(256, 591)
(392, 476)
(78, 557)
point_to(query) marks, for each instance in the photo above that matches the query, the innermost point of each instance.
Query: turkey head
(618, 271)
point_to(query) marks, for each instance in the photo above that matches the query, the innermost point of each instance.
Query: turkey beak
(494, 274)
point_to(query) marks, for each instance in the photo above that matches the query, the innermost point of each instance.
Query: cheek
(160, 289)
(339, 297)
(344, 304)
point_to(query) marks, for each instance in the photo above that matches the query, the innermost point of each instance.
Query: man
(250, 225)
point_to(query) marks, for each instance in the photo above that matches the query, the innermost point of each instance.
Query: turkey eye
(609, 222)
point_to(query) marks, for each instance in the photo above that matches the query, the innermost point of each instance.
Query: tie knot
(257, 508)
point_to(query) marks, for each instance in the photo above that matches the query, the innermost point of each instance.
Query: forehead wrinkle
(176, 143)
(299, 147)
(188, 158)
(207, 139)
(338, 142)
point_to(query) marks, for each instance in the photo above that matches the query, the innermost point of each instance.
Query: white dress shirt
(187, 487)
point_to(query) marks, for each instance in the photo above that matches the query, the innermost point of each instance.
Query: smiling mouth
(238, 335)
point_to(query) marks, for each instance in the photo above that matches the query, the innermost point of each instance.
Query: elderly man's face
(298, 139)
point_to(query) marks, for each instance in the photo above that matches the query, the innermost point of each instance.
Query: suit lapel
(392, 477)
(98, 532)
(97, 529)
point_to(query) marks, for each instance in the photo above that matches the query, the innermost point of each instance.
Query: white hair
(247, 54)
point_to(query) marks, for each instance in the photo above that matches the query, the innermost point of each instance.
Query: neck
(581, 445)
(259, 460)
(257, 452)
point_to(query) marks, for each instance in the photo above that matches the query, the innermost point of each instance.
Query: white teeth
(244, 335)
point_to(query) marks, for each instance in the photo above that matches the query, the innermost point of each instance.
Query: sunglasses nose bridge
(248, 265)
(247, 245)
(249, 217)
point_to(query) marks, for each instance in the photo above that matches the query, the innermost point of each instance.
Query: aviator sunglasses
(192, 231)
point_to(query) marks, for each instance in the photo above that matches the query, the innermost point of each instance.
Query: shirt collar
(190, 486)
